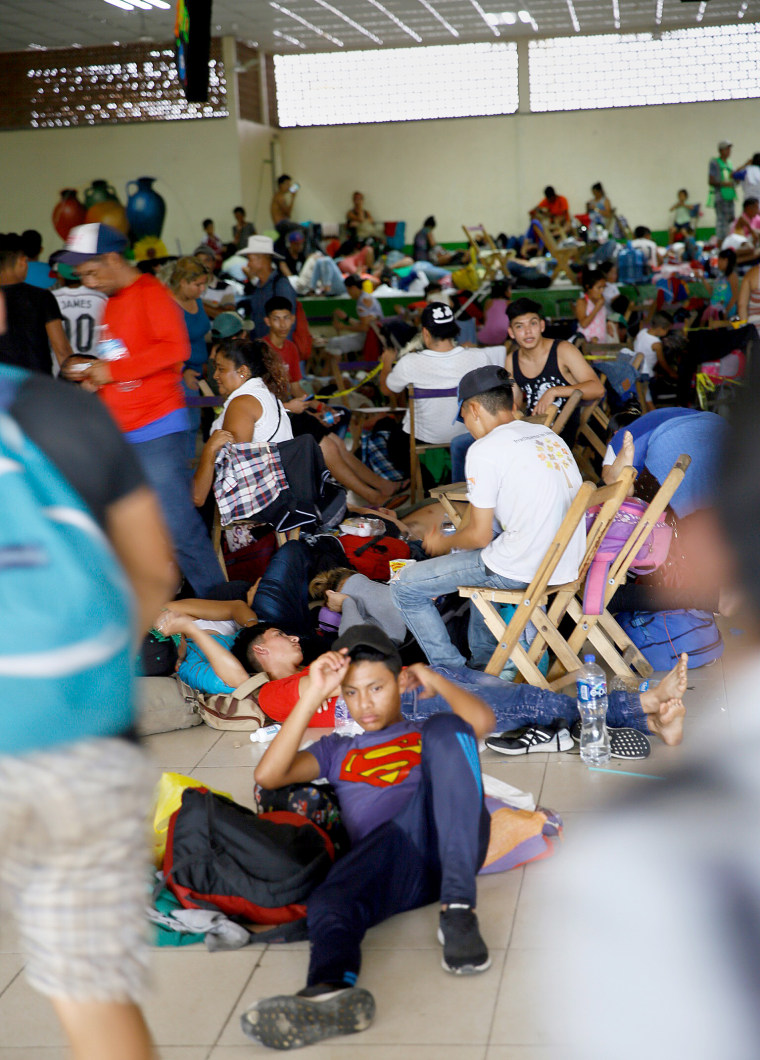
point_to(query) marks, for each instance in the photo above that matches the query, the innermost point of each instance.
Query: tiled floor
(197, 997)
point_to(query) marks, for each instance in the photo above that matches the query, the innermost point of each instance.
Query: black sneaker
(552, 737)
(464, 952)
(318, 1012)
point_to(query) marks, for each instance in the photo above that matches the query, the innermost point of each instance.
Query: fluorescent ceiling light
(142, 4)
(160, 3)
(702, 9)
(484, 16)
(743, 9)
(398, 22)
(525, 16)
(309, 25)
(658, 11)
(122, 4)
(573, 16)
(501, 18)
(441, 19)
(350, 21)
(288, 38)
(616, 13)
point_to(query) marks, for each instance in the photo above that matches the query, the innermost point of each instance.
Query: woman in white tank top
(251, 412)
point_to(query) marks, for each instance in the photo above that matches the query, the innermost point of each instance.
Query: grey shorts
(73, 863)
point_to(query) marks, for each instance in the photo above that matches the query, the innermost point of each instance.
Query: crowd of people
(142, 386)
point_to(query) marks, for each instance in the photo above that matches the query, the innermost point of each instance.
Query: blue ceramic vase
(146, 209)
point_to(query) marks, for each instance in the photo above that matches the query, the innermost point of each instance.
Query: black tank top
(534, 386)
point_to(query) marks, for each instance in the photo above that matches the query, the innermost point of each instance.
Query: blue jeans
(414, 593)
(516, 705)
(433, 272)
(164, 462)
(460, 443)
(329, 275)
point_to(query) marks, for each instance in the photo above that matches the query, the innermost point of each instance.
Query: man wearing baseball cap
(143, 346)
(265, 281)
(521, 477)
(230, 326)
(722, 193)
(439, 366)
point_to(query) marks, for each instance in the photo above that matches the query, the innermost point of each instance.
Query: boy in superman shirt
(411, 798)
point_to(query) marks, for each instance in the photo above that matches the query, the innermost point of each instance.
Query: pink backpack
(651, 555)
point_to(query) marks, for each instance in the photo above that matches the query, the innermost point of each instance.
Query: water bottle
(628, 684)
(592, 707)
(344, 723)
(110, 348)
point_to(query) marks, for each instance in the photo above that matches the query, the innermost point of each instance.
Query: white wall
(37, 164)
(494, 169)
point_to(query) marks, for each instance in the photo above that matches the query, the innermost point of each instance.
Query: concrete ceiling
(318, 25)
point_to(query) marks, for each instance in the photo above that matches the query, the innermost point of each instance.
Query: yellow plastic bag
(168, 799)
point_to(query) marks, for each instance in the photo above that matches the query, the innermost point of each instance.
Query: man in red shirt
(142, 348)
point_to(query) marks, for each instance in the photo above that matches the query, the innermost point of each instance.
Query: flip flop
(624, 742)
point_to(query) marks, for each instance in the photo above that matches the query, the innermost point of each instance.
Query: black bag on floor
(255, 867)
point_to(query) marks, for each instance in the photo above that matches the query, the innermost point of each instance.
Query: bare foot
(624, 457)
(664, 707)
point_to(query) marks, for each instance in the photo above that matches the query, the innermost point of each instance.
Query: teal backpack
(65, 604)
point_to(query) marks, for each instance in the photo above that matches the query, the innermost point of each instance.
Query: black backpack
(254, 867)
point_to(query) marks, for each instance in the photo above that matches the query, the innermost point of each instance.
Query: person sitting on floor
(523, 475)
(419, 830)
(360, 222)
(553, 209)
(369, 313)
(744, 237)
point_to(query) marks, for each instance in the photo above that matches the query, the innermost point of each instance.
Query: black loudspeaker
(192, 41)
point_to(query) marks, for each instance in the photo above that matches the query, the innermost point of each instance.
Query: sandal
(624, 742)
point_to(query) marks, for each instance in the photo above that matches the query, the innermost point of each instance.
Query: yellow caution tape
(342, 393)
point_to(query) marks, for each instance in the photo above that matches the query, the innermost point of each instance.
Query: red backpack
(370, 556)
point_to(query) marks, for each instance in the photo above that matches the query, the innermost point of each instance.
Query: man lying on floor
(220, 664)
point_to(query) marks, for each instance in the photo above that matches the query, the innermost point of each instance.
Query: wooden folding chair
(530, 601)
(415, 448)
(216, 536)
(495, 261)
(602, 631)
(563, 256)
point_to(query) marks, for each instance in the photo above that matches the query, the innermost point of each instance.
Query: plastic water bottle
(344, 723)
(592, 707)
(110, 348)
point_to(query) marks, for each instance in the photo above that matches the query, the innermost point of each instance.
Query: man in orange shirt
(553, 209)
(142, 349)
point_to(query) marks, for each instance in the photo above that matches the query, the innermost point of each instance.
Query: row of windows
(564, 73)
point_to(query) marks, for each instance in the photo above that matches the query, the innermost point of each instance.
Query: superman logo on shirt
(385, 764)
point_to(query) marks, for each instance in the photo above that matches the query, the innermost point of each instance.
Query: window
(406, 84)
(641, 69)
(102, 85)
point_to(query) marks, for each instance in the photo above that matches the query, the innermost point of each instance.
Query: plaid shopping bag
(248, 477)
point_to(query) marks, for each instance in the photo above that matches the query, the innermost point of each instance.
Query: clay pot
(99, 191)
(146, 209)
(109, 212)
(68, 213)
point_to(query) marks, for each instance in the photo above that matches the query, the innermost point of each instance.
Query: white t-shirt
(273, 425)
(527, 474)
(645, 343)
(82, 311)
(430, 370)
(751, 183)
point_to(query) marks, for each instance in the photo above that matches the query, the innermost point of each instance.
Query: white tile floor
(197, 997)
